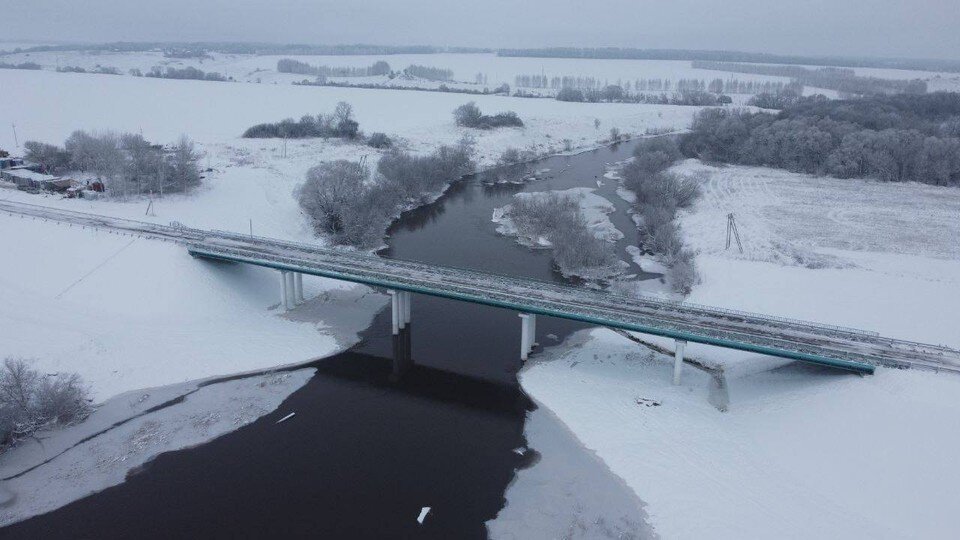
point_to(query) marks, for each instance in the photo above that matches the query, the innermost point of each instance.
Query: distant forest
(734, 56)
(923, 64)
(897, 138)
(199, 48)
(843, 80)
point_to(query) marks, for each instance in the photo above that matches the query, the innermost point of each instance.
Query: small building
(27, 179)
(10, 163)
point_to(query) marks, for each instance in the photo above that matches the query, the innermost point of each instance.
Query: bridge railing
(665, 303)
(777, 345)
(187, 234)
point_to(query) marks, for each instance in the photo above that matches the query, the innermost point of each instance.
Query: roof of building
(27, 174)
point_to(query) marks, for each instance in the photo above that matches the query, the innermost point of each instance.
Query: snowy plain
(801, 452)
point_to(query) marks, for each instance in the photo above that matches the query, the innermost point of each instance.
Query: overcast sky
(915, 28)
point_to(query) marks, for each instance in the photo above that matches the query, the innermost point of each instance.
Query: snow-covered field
(465, 67)
(861, 253)
(49, 106)
(128, 313)
(801, 453)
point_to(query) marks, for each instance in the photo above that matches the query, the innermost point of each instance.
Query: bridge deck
(826, 345)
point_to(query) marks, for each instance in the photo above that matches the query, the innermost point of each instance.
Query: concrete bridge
(814, 343)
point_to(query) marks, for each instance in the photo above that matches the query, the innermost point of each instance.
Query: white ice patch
(423, 514)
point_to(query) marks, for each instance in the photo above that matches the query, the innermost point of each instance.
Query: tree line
(126, 162)
(188, 72)
(844, 81)
(271, 49)
(289, 65)
(659, 195)
(716, 86)
(33, 66)
(894, 138)
(615, 94)
(98, 69)
(339, 124)
(429, 73)
(921, 64)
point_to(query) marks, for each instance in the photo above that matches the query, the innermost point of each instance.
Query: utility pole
(251, 227)
(15, 140)
(732, 230)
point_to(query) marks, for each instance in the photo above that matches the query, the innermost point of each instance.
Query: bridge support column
(298, 288)
(678, 360)
(285, 292)
(528, 331)
(533, 332)
(395, 311)
(406, 308)
(291, 290)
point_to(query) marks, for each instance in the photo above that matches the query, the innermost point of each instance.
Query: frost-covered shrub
(558, 219)
(344, 203)
(542, 216)
(683, 272)
(576, 248)
(330, 193)
(570, 94)
(659, 195)
(469, 115)
(509, 156)
(667, 145)
(663, 189)
(188, 72)
(379, 140)
(416, 176)
(614, 134)
(30, 401)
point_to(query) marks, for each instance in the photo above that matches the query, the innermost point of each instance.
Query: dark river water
(369, 451)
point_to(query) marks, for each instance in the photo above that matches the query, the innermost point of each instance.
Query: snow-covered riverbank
(801, 453)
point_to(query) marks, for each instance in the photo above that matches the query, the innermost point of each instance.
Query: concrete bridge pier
(298, 288)
(286, 294)
(400, 310)
(678, 360)
(528, 334)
